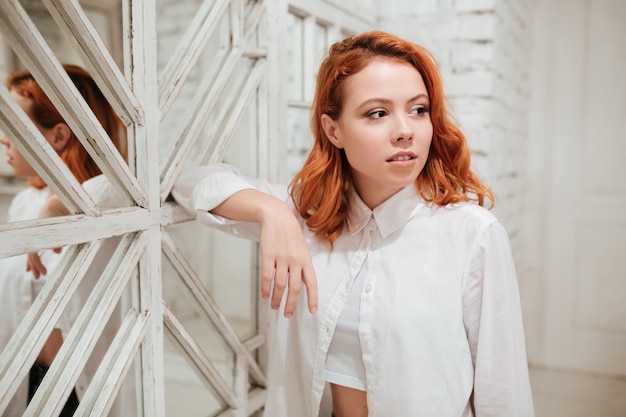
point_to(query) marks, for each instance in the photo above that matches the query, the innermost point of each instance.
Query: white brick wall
(510, 116)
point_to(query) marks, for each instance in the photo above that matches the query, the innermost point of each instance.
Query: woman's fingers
(295, 284)
(267, 276)
(286, 261)
(34, 264)
(278, 280)
(310, 281)
(296, 278)
(281, 276)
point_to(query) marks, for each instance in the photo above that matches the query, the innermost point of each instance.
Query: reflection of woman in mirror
(19, 287)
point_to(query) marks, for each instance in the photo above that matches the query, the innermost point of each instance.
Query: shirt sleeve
(19, 204)
(104, 194)
(199, 190)
(492, 316)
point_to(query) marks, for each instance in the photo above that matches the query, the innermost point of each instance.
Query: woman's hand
(54, 207)
(286, 260)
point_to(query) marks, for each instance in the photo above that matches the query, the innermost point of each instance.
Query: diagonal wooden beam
(209, 306)
(188, 51)
(78, 28)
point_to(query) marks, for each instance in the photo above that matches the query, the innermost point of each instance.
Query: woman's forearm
(251, 205)
(285, 258)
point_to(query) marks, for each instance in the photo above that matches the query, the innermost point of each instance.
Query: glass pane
(300, 138)
(224, 264)
(295, 60)
(186, 393)
(172, 21)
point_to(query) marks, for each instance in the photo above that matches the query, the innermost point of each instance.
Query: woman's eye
(377, 114)
(420, 110)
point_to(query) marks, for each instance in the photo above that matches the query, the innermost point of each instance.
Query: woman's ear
(59, 136)
(331, 129)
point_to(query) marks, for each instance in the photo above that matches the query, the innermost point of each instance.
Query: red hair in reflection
(46, 115)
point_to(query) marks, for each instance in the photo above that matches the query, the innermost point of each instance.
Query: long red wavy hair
(75, 156)
(319, 189)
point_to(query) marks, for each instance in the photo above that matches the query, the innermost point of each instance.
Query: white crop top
(344, 361)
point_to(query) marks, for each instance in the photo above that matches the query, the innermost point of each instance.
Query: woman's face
(384, 128)
(21, 167)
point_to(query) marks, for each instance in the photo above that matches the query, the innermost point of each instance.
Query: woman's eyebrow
(376, 100)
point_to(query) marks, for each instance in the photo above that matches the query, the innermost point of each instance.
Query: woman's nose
(403, 129)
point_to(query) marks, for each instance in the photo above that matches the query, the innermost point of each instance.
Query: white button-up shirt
(440, 321)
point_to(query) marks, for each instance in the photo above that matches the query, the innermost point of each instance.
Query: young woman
(413, 304)
(19, 287)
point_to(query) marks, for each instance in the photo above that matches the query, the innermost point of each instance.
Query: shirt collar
(389, 216)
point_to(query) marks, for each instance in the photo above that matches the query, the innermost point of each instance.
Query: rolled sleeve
(200, 190)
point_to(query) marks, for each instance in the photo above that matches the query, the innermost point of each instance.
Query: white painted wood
(208, 151)
(254, 403)
(188, 51)
(101, 65)
(256, 400)
(142, 71)
(210, 307)
(172, 213)
(241, 384)
(107, 382)
(310, 61)
(255, 342)
(366, 10)
(253, 17)
(34, 235)
(585, 226)
(237, 26)
(61, 378)
(205, 102)
(236, 112)
(331, 15)
(29, 338)
(202, 364)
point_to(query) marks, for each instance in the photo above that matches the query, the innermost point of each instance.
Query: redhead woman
(19, 287)
(410, 305)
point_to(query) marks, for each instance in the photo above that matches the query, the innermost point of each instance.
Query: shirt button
(368, 288)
